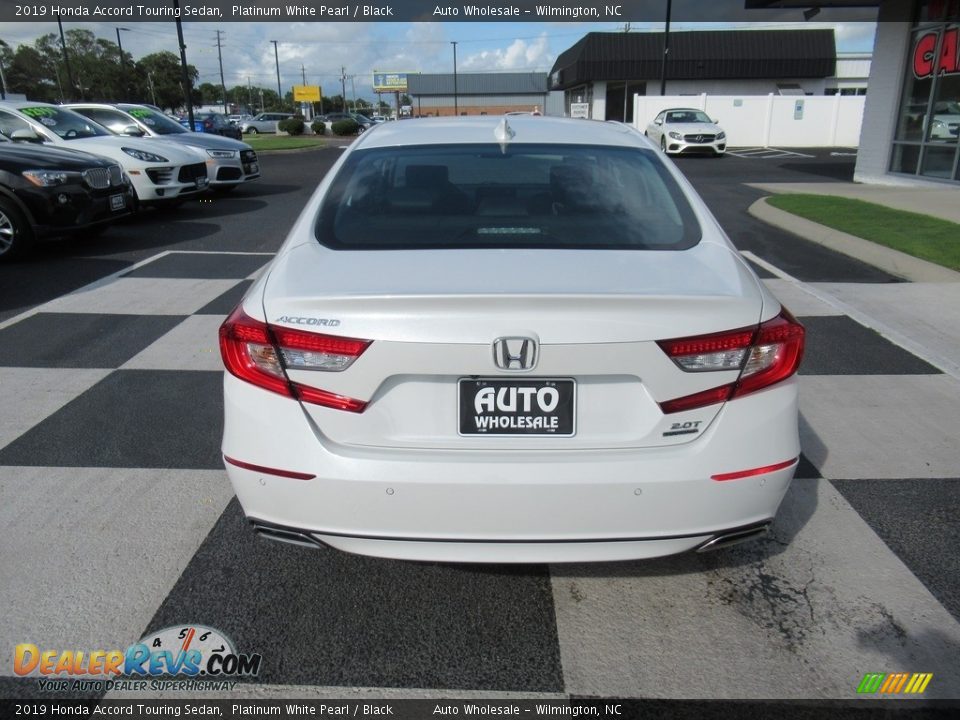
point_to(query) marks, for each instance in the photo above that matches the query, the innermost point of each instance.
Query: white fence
(769, 120)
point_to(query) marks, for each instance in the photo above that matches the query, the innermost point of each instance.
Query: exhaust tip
(292, 537)
(733, 537)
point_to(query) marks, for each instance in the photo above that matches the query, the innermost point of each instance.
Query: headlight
(222, 153)
(144, 156)
(938, 125)
(46, 178)
(721, 135)
(675, 135)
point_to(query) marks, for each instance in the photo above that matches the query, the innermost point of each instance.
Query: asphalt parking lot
(117, 518)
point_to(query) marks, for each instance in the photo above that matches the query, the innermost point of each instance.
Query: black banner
(220, 11)
(611, 709)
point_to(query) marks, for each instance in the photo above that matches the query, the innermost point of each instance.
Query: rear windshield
(532, 196)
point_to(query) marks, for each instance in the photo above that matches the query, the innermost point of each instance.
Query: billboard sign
(389, 82)
(306, 93)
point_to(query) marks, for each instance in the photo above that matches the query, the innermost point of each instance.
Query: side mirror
(25, 135)
(133, 131)
(715, 121)
(658, 122)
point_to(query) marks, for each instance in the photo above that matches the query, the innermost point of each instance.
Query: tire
(663, 144)
(252, 131)
(16, 235)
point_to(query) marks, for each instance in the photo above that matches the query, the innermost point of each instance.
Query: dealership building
(603, 71)
(482, 93)
(911, 120)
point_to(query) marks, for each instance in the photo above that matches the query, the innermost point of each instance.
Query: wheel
(663, 144)
(16, 235)
(252, 131)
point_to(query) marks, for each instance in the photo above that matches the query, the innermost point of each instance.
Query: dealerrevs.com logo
(186, 657)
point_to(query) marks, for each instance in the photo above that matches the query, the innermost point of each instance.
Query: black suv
(213, 123)
(46, 192)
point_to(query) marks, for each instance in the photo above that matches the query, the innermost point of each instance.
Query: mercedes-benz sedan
(685, 131)
(509, 340)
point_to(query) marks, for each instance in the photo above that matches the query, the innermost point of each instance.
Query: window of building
(925, 142)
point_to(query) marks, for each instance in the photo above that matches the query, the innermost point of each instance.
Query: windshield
(66, 124)
(534, 196)
(688, 116)
(156, 121)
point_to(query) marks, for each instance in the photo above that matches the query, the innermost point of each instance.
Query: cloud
(518, 55)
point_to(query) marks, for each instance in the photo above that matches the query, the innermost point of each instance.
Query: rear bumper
(512, 506)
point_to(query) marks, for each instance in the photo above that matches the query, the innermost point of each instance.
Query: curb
(887, 259)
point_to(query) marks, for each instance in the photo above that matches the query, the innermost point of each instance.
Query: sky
(321, 49)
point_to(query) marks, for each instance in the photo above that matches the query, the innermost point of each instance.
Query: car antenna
(504, 134)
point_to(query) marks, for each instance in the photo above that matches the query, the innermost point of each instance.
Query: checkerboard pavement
(116, 518)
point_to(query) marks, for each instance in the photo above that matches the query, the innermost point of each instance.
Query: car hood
(48, 158)
(694, 128)
(112, 147)
(204, 140)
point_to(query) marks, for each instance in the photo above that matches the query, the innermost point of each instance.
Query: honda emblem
(515, 353)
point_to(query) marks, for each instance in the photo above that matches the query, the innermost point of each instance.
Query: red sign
(926, 59)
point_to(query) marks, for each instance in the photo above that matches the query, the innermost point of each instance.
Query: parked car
(238, 120)
(229, 162)
(509, 340)
(946, 121)
(265, 122)
(687, 131)
(161, 173)
(48, 192)
(377, 119)
(214, 124)
(362, 121)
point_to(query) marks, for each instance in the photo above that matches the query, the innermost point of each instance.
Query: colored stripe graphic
(894, 683)
(870, 683)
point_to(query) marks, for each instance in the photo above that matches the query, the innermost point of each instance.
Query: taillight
(260, 354)
(765, 355)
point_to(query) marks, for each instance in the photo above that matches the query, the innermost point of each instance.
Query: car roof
(683, 110)
(484, 129)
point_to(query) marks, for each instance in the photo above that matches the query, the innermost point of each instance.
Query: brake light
(765, 355)
(260, 354)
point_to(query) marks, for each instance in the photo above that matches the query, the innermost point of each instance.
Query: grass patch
(283, 142)
(919, 235)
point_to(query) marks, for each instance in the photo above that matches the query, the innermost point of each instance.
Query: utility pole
(3, 83)
(343, 86)
(184, 74)
(223, 86)
(666, 52)
(249, 93)
(353, 93)
(456, 108)
(153, 90)
(66, 57)
(276, 57)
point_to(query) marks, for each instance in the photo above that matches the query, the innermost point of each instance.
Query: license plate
(202, 182)
(118, 202)
(528, 406)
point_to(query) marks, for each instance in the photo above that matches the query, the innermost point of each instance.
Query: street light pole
(456, 107)
(125, 86)
(666, 52)
(276, 58)
(184, 73)
(223, 85)
(66, 57)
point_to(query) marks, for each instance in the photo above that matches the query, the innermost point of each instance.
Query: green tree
(158, 76)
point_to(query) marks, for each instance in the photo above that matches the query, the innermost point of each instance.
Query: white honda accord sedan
(509, 340)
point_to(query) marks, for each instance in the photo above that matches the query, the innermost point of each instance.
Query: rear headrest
(426, 176)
